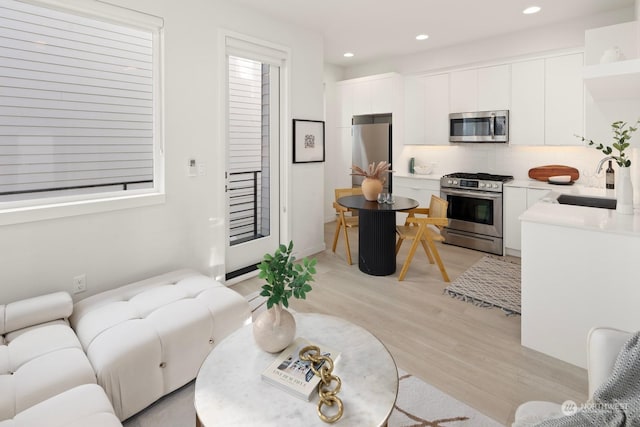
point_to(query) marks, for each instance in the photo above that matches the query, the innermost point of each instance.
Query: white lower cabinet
(419, 189)
(516, 201)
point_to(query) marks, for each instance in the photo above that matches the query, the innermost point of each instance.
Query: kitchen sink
(591, 202)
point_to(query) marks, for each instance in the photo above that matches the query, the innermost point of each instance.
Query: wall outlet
(79, 284)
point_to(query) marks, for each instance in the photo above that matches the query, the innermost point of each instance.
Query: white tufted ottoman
(149, 338)
(40, 356)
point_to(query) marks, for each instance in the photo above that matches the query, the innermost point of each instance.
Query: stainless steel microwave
(479, 126)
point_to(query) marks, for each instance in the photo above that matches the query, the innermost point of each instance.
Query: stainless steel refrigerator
(371, 143)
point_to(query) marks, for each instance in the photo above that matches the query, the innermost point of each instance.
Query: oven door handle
(477, 195)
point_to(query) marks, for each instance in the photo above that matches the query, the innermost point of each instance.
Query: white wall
(335, 151)
(118, 247)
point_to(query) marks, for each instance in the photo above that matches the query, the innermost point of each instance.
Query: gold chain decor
(322, 366)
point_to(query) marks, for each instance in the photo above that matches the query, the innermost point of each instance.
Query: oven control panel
(472, 184)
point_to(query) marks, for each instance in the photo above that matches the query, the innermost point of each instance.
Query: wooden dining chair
(423, 226)
(346, 218)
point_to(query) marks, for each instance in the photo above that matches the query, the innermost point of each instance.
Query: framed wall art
(308, 141)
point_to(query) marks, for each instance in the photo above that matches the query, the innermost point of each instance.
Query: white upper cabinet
(494, 88)
(414, 110)
(526, 117)
(427, 110)
(481, 89)
(436, 108)
(464, 91)
(368, 95)
(362, 98)
(564, 100)
(345, 104)
(382, 94)
(547, 101)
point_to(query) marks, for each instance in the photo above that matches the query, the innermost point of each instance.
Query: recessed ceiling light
(348, 55)
(422, 36)
(531, 9)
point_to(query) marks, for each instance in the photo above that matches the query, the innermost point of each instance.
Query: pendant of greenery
(621, 136)
(284, 277)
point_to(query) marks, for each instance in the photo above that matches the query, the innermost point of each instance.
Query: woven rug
(491, 282)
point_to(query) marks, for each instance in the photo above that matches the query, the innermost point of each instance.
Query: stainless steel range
(475, 210)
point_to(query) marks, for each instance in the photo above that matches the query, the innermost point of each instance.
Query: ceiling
(374, 29)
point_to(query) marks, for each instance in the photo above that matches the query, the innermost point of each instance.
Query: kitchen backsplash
(506, 159)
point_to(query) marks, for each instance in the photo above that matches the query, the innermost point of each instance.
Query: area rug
(418, 405)
(491, 282)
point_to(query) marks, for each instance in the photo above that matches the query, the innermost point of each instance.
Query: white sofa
(603, 346)
(139, 342)
(149, 338)
(45, 377)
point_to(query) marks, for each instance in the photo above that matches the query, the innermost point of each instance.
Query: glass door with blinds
(252, 176)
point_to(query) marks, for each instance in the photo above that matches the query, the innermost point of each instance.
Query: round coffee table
(230, 392)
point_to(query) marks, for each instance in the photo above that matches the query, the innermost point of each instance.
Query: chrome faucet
(599, 168)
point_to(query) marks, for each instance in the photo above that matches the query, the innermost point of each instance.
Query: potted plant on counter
(373, 178)
(621, 136)
(275, 328)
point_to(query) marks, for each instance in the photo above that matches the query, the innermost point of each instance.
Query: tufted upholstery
(149, 338)
(40, 356)
(82, 406)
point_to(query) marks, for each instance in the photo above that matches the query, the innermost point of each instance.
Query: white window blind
(245, 115)
(76, 104)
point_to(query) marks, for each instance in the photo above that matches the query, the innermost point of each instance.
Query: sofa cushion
(35, 311)
(149, 338)
(38, 364)
(81, 406)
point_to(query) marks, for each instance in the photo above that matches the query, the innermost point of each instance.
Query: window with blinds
(76, 104)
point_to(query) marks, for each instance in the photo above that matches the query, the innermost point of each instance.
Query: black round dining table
(377, 232)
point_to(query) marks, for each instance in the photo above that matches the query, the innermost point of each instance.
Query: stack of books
(293, 375)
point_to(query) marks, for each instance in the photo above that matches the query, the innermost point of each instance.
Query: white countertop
(577, 188)
(432, 177)
(548, 211)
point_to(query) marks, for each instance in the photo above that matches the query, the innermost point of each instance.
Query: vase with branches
(374, 178)
(622, 133)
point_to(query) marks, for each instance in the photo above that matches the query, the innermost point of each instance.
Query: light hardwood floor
(473, 354)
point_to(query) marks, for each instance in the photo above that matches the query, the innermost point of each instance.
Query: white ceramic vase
(274, 329)
(624, 192)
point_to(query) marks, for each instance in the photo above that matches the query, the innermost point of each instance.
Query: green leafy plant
(284, 277)
(621, 136)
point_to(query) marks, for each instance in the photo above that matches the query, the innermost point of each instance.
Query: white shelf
(614, 80)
